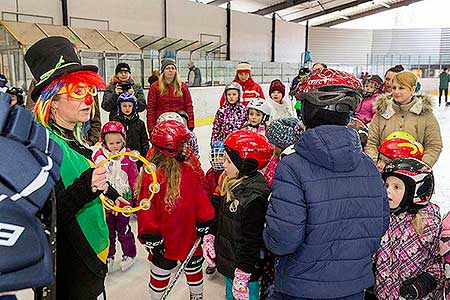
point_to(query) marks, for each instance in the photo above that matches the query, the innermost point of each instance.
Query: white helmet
(261, 105)
(170, 116)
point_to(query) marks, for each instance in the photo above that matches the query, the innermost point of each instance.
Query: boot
(127, 262)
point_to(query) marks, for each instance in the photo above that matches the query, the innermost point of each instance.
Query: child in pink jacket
(122, 174)
(371, 90)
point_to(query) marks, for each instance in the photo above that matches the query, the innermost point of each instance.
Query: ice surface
(133, 284)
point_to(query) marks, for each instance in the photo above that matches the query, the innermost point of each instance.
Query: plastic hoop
(144, 203)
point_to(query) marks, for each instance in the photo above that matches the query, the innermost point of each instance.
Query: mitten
(208, 250)
(418, 287)
(240, 285)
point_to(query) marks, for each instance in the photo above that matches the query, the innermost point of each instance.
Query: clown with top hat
(64, 103)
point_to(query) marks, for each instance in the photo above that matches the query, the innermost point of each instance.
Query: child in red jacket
(180, 212)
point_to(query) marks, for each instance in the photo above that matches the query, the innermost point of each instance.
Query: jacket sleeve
(430, 240)
(139, 94)
(95, 125)
(373, 140)
(143, 139)
(204, 208)
(151, 106)
(260, 91)
(109, 101)
(70, 200)
(188, 108)
(252, 229)
(132, 173)
(286, 215)
(147, 219)
(433, 142)
(217, 128)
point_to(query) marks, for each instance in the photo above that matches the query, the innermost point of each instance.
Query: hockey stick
(181, 269)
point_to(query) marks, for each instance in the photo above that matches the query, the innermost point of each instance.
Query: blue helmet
(127, 97)
(217, 155)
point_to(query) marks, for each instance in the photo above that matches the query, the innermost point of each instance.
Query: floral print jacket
(404, 254)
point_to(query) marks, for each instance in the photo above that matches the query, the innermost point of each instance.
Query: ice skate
(127, 262)
(110, 262)
(196, 296)
(210, 272)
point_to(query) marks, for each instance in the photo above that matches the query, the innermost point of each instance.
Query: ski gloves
(418, 287)
(202, 229)
(154, 243)
(240, 284)
(208, 250)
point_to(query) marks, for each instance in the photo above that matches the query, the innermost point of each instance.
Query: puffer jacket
(365, 110)
(415, 118)
(404, 254)
(326, 216)
(157, 104)
(238, 228)
(250, 89)
(229, 117)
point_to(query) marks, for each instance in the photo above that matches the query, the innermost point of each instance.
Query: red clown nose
(88, 100)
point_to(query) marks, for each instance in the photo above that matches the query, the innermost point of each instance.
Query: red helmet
(401, 148)
(249, 145)
(328, 88)
(169, 136)
(110, 127)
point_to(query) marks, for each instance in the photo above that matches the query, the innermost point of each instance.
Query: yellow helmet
(401, 134)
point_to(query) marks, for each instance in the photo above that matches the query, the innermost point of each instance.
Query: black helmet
(418, 179)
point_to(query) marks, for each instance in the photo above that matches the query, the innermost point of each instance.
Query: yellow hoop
(143, 204)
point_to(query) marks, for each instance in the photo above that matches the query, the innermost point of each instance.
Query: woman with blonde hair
(168, 94)
(403, 110)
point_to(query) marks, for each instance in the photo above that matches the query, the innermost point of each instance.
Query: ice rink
(133, 284)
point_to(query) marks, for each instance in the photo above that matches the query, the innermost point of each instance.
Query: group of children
(227, 205)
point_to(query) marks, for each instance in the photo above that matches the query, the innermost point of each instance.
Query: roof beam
(329, 10)
(218, 2)
(368, 13)
(280, 6)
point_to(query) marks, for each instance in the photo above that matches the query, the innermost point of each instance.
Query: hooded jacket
(250, 90)
(229, 117)
(365, 110)
(326, 216)
(415, 118)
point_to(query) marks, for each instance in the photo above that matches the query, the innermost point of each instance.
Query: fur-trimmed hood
(386, 106)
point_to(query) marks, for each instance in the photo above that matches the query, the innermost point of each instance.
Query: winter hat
(3, 80)
(277, 85)
(122, 67)
(284, 132)
(243, 67)
(166, 62)
(49, 59)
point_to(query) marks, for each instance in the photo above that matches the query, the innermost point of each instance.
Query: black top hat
(50, 58)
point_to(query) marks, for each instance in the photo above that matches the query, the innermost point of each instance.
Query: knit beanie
(122, 67)
(284, 132)
(243, 67)
(166, 62)
(277, 85)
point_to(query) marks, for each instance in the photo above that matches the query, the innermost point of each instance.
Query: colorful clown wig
(67, 84)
